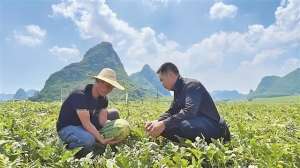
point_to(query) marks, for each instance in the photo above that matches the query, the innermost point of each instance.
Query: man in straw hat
(84, 113)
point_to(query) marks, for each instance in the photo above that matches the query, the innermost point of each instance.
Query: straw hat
(108, 75)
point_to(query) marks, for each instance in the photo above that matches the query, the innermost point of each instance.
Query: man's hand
(109, 141)
(155, 128)
(105, 141)
(148, 125)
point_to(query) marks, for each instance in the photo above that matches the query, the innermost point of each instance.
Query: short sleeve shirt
(80, 99)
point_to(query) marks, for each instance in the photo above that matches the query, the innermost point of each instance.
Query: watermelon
(118, 129)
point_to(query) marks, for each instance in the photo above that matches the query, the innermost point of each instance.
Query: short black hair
(166, 67)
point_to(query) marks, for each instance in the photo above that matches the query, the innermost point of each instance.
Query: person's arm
(84, 117)
(168, 113)
(149, 125)
(190, 109)
(102, 117)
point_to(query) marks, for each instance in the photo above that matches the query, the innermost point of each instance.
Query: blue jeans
(191, 128)
(77, 136)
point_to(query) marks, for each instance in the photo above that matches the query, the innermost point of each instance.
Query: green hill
(148, 80)
(20, 95)
(75, 75)
(273, 86)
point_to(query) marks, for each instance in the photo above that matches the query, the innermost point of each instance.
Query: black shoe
(225, 130)
(82, 153)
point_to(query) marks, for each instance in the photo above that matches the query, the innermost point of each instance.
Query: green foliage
(264, 135)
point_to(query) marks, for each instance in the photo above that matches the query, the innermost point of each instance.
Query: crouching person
(85, 112)
(192, 113)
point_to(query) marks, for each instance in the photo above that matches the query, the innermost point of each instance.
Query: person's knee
(113, 114)
(170, 135)
(89, 141)
(188, 129)
(185, 124)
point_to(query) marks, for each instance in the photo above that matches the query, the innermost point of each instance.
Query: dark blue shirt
(80, 99)
(191, 99)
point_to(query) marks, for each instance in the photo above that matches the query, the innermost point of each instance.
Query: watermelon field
(264, 135)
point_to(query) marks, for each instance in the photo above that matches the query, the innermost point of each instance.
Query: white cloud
(95, 19)
(290, 65)
(220, 10)
(32, 36)
(155, 4)
(283, 2)
(221, 61)
(36, 31)
(66, 54)
(265, 56)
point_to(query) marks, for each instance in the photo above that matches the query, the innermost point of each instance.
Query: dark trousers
(201, 126)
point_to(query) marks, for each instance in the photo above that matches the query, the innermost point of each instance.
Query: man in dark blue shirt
(84, 112)
(192, 113)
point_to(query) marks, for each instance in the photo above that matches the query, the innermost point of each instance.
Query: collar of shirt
(178, 84)
(88, 90)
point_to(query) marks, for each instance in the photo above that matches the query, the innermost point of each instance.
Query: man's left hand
(157, 127)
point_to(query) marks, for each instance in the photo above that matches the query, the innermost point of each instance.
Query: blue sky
(229, 44)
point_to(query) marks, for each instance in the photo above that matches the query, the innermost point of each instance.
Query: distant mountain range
(144, 83)
(75, 75)
(5, 97)
(148, 80)
(269, 86)
(20, 94)
(273, 86)
(223, 95)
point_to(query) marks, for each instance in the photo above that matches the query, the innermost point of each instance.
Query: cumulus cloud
(66, 54)
(264, 56)
(220, 10)
(95, 19)
(225, 56)
(31, 36)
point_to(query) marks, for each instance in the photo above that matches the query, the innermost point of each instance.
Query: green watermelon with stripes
(118, 129)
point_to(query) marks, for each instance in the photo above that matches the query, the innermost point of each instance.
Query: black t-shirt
(80, 99)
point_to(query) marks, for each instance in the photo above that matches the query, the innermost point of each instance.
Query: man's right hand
(148, 125)
(105, 141)
(110, 141)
